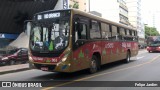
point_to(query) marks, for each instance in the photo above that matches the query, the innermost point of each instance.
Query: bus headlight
(64, 59)
(30, 58)
(5, 58)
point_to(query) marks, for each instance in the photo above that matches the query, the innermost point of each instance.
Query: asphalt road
(146, 67)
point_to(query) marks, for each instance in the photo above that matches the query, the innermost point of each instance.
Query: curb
(12, 71)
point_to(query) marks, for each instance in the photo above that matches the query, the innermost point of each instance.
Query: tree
(151, 31)
(75, 5)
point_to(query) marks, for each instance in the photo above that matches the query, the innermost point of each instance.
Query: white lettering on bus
(54, 60)
(46, 16)
(124, 45)
(51, 15)
(109, 45)
(129, 45)
(94, 46)
(39, 17)
(37, 58)
(40, 59)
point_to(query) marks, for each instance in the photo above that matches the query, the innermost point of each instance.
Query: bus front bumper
(50, 67)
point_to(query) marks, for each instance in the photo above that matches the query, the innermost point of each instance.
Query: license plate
(44, 68)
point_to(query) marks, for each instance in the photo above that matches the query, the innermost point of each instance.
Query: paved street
(145, 68)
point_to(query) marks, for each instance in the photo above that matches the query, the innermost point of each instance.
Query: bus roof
(89, 15)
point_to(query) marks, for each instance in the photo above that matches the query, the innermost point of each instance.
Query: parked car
(14, 56)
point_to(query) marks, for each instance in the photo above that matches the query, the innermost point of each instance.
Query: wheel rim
(93, 67)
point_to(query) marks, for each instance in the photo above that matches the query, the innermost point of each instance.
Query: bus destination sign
(48, 16)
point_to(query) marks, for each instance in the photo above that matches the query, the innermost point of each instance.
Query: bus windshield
(50, 35)
(155, 43)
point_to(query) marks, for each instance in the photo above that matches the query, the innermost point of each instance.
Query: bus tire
(128, 57)
(93, 65)
(12, 62)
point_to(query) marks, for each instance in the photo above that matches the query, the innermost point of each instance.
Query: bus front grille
(50, 67)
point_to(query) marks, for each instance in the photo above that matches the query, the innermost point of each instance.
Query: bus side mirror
(27, 26)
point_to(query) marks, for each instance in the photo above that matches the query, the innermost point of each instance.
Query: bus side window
(122, 33)
(95, 32)
(114, 33)
(82, 31)
(106, 34)
(127, 32)
(130, 32)
(127, 37)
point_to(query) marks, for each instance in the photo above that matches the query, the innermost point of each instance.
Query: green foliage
(70, 6)
(76, 5)
(151, 31)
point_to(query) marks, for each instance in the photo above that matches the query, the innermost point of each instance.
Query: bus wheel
(149, 51)
(127, 60)
(12, 62)
(93, 65)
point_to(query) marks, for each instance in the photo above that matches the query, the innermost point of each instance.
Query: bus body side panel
(131, 47)
(80, 58)
(134, 49)
(82, 55)
(111, 51)
(117, 50)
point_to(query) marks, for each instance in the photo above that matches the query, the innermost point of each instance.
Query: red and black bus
(72, 40)
(153, 43)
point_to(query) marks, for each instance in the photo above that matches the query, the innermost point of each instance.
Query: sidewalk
(13, 68)
(142, 49)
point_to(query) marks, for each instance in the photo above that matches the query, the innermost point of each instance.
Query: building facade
(123, 12)
(114, 10)
(135, 18)
(78, 4)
